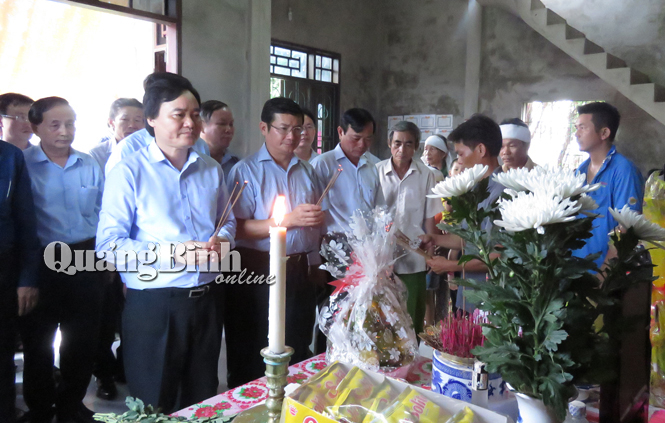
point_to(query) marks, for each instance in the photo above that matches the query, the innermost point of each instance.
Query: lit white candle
(277, 305)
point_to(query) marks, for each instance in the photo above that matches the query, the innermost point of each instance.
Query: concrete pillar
(473, 52)
(225, 53)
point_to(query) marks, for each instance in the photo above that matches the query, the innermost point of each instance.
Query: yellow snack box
(321, 390)
(354, 396)
(411, 405)
(385, 394)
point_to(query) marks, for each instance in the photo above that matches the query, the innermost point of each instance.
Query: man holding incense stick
(405, 182)
(272, 171)
(356, 188)
(164, 194)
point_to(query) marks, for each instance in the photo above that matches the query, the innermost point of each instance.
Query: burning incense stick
(330, 184)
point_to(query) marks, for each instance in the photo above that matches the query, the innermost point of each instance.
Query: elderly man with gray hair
(405, 183)
(515, 148)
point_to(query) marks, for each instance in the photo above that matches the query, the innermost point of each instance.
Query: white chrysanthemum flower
(587, 203)
(535, 210)
(556, 182)
(645, 230)
(460, 184)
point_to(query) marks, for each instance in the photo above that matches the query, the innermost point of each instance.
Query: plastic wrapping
(366, 320)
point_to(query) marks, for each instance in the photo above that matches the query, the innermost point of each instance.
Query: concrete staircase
(631, 83)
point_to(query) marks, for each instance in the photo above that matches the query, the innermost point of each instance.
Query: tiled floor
(118, 405)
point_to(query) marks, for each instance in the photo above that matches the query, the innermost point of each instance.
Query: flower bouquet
(366, 322)
(542, 301)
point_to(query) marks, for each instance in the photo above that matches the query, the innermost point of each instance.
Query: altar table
(235, 400)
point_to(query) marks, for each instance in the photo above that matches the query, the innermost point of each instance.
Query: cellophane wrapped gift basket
(366, 321)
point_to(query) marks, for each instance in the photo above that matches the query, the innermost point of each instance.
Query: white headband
(516, 132)
(437, 142)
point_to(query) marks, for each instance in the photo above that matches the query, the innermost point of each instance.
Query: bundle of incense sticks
(460, 333)
(456, 335)
(330, 184)
(406, 242)
(233, 199)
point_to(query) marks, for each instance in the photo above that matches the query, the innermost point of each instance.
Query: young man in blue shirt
(621, 182)
(67, 191)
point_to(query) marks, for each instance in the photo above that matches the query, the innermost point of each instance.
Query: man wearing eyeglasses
(272, 171)
(405, 183)
(14, 110)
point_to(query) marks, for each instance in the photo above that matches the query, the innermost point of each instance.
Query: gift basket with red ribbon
(366, 321)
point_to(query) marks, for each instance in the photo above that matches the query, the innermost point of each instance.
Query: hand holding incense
(330, 185)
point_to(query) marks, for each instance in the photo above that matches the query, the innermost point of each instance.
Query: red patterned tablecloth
(243, 397)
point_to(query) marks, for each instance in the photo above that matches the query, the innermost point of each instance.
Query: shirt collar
(39, 156)
(413, 167)
(341, 155)
(156, 155)
(264, 155)
(228, 156)
(584, 167)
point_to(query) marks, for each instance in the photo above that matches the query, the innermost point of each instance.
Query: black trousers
(8, 312)
(106, 364)
(171, 345)
(72, 302)
(246, 316)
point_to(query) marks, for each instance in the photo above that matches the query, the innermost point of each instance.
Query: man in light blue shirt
(125, 118)
(621, 182)
(358, 186)
(142, 138)
(137, 141)
(169, 193)
(274, 170)
(217, 132)
(67, 190)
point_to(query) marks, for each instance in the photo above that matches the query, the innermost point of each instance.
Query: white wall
(225, 53)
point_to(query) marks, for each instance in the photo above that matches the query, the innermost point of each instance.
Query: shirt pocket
(88, 200)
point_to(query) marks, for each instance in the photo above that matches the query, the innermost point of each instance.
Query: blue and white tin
(451, 376)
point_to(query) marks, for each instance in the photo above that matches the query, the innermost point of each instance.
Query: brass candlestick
(277, 369)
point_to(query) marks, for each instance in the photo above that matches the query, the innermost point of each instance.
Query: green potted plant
(544, 331)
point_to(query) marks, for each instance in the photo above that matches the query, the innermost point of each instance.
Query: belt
(195, 292)
(297, 257)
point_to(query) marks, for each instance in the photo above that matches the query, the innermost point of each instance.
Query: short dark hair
(123, 102)
(310, 115)
(160, 90)
(280, 105)
(13, 99)
(514, 121)
(357, 119)
(603, 115)
(43, 105)
(211, 106)
(479, 129)
(405, 126)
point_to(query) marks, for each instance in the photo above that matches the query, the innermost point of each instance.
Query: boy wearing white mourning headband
(515, 147)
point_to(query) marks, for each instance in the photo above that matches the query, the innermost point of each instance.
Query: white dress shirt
(406, 199)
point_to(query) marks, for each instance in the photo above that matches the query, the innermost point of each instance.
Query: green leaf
(554, 339)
